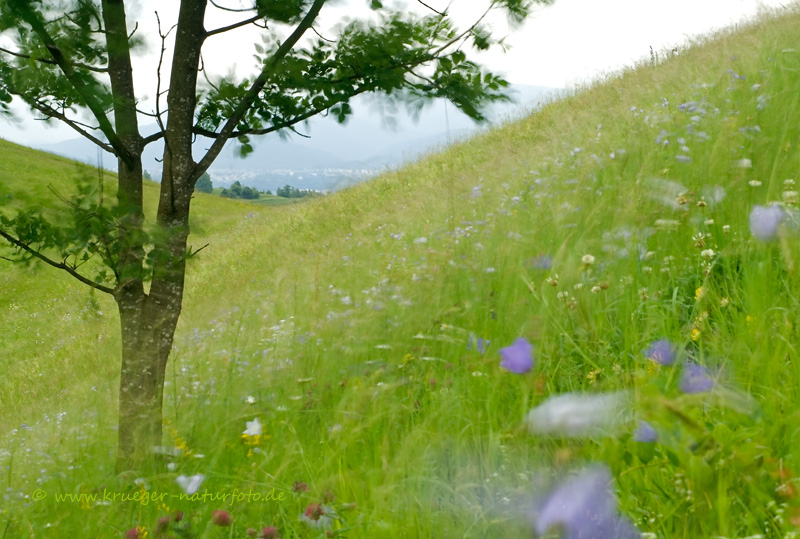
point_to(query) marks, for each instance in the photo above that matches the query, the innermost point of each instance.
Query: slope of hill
(328, 356)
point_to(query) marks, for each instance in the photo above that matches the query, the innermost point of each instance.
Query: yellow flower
(695, 334)
(592, 376)
(699, 293)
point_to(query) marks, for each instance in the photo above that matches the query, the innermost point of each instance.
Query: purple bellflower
(583, 507)
(517, 358)
(661, 351)
(695, 379)
(543, 262)
(764, 222)
(478, 343)
(645, 433)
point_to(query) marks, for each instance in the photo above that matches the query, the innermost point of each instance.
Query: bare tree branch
(231, 9)
(239, 24)
(158, 135)
(321, 36)
(60, 265)
(440, 13)
(158, 111)
(53, 113)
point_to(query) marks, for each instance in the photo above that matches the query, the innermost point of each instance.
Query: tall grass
(342, 325)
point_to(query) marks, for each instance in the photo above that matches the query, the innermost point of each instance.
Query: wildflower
(764, 222)
(791, 197)
(707, 253)
(299, 486)
(662, 351)
(517, 358)
(695, 379)
(587, 260)
(552, 280)
(726, 229)
(645, 433)
(316, 516)
(699, 240)
(190, 485)
(221, 518)
(595, 289)
(743, 163)
(583, 507)
(577, 286)
(478, 343)
(270, 532)
(543, 262)
(754, 183)
(700, 293)
(253, 428)
(135, 533)
(667, 223)
(250, 399)
(576, 415)
(724, 302)
(695, 335)
(161, 525)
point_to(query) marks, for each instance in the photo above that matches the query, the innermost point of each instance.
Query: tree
(204, 184)
(72, 60)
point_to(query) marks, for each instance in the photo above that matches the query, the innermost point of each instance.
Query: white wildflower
(253, 428)
(576, 414)
(190, 485)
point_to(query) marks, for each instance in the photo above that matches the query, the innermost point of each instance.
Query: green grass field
(265, 200)
(343, 325)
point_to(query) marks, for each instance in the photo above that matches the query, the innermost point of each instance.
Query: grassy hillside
(343, 326)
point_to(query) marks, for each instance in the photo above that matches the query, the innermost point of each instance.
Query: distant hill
(334, 155)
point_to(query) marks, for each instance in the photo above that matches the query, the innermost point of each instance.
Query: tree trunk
(147, 328)
(140, 397)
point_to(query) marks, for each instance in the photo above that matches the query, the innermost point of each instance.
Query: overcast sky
(561, 45)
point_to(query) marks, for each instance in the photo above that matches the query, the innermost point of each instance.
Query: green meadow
(327, 378)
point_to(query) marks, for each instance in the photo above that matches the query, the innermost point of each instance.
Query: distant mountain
(376, 136)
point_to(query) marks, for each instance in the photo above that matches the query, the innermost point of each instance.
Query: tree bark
(148, 321)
